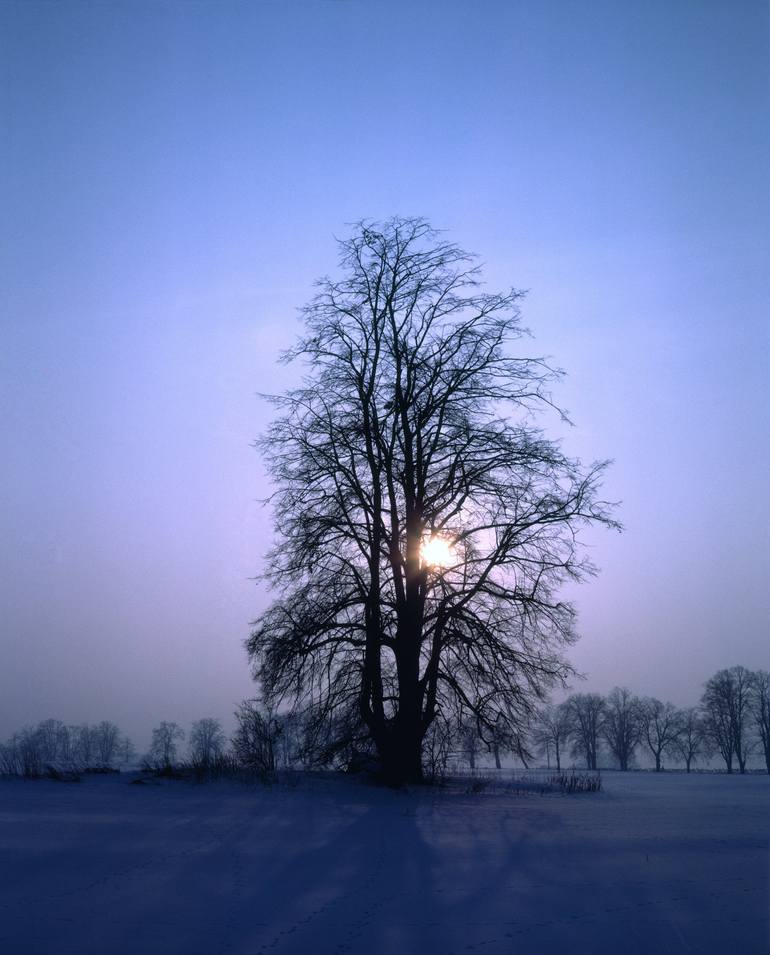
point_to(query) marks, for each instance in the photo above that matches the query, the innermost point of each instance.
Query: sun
(437, 552)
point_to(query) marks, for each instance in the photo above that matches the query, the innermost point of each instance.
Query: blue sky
(172, 176)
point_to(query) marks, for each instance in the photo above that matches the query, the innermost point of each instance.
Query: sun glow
(437, 552)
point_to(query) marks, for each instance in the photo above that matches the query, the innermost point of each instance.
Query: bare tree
(760, 710)
(29, 749)
(84, 745)
(207, 741)
(107, 742)
(691, 741)
(423, 530)
(660, 728)
(10, 764)
(288, 742)
(437, 747)
(470, 741)
(498, 741)
(741, 714)
(126, 751)
(622, 725)
(164, 746)
(717, 721)
(52, 737)
(552, 730)
(725, 704)
(69, 749)
(586, 713)
(256, 736)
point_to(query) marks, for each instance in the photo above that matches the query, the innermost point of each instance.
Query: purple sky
(171, 178)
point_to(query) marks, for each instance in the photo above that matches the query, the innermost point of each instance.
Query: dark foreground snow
(659, 864)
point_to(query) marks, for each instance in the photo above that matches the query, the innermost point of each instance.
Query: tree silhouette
(726, 706)
(760, 710)
(163, 749)
(207, 741)
(623, 724)
(424, 522)
(552, 731)
(691, 741)
(661, 724)
(586, 713)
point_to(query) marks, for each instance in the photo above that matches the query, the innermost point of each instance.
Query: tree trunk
(496, 751)
(657, 762)
(401, 758)
(688, 760)
(399, 740)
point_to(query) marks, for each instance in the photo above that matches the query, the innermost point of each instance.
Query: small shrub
(224, 766)
(570, 783)
(220, 766)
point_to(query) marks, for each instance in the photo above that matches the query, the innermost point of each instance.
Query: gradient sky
(171, 179)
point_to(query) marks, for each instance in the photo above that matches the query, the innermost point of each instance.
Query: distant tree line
(731, 721)
(262, 743)
(52, 747)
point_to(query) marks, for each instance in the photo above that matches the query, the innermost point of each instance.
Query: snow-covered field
(654, 863)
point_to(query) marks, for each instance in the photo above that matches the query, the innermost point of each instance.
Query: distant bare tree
(691, 741)
(7, 759)
(586, 713)
(622, 725)
(207, 741)
(68, 748)
(256, 736)
(717, 720)
(126, 751)
(10, 764)
(499, 741)
(52, 740)
(760, 710)
(34, 749)
(438, 747)
(725, 704)
(30, 751)
(84, 745)
(163, 750)
(660, 727)
(551, 731)
(741, 714)
(470, 742)
(107, 742)
(287, 750)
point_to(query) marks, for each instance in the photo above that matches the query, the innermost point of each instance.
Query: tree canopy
(424, 522)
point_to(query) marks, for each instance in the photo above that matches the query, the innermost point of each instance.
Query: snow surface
(654, 863)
